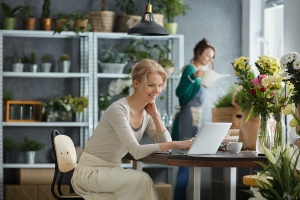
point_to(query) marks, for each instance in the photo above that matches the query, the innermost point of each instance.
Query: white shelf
(125, 36)
(45, 75)
(42, 34)
(47, 124)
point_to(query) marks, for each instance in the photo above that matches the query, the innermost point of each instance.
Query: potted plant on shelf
(10, 16)
(46, 21)
(78, 104)
(9, 145)
(163, 60)
(33, 62)
(63, 22)
(102, 21)
(127, 19)
(64, 63)
(111, 61)
(18, 65)
(26, 14)
(46, 64)
(58, 109)
(30, 146)
(138, 50)
(81, 23)
(171, 9)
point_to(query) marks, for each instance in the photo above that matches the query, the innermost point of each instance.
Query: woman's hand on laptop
(184, 144)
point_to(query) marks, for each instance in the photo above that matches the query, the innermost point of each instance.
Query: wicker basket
(125, 22)
(102, 21)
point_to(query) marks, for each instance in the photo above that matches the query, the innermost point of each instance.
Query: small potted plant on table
(9, 144)
(10, 16)
(78, 104)
(18, 65)
(26, 14)
(46, 21)
(33, 62)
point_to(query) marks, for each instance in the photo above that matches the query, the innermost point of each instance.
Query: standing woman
(99, 174)
(191, 96)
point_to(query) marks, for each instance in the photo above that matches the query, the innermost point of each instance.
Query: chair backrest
(65, 153)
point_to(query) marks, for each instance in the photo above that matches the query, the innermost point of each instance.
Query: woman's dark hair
(201, 46)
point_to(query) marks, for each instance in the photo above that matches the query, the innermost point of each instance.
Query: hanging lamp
(148, 26)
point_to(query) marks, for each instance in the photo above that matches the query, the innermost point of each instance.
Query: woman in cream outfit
(99, 174)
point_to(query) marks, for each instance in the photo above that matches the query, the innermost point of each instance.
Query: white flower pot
(112, 68)
(18, 67)
(169, 70)
(64, 66)
(33, 68)
(29, 157)
(46, 67)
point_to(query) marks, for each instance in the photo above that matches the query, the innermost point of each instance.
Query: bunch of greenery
(45, 58)
(9, 144)
(26, 12)
(31, 145)
(64, 57)
(280, 177)
(8, 95)
(111, 55)
(171, 8)
(58, 104)
(79, 103)
(8, 11)
(33, 58)
(103, 101)
(226, 99)
(127, 7)
(46, 9)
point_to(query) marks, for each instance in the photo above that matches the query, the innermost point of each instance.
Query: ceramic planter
(9, 23)
(171, 27)
(64, 66)
(29, 157)
(46, 67)
(46, 24)
(33, 67)
(29, 23)
(18, 67)
(112, 68)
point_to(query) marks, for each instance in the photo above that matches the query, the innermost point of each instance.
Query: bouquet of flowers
(290, 63)
(280, 177)
(120, 86)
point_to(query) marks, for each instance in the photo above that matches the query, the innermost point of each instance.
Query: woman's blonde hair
(143, 68)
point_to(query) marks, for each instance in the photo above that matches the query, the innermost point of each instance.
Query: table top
(220, 159)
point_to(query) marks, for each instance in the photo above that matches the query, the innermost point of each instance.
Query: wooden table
(225, 160)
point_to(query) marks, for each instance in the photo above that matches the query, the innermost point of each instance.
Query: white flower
(296, 63)
(256, 194)
(289, 57)
(116, 87)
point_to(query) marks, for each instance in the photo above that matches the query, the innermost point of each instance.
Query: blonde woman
(99, 174)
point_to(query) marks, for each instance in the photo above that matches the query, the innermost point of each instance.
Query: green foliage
(45, 58)
(171, 8)
(18, 59)
(64, 57)
(138, 50)
(31, 145)
(46, 9)
(162, 54)
(7, 95)
(33, 58)
(240, 98)
(280, 177)
(127, 7)
(111, 55)
(26, 12)
(79, 103)
(226, 99)
(9, 144)
(103, 101)
(8, 11)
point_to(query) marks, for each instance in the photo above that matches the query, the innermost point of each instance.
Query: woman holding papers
(191, 96)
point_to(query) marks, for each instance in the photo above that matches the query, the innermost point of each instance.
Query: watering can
(211, 76)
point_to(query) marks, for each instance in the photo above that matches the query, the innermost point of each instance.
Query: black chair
(65, 159)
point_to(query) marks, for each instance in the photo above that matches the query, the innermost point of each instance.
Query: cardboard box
(34, 176)
(44, 191)
(227, 114)
(20, 192)
(164, 191)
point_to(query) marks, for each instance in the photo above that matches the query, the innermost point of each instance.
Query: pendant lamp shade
(148, 26)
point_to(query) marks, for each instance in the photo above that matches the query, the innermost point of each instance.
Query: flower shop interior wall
(218, 21)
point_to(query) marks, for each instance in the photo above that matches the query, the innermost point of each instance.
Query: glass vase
(264, 135)
(279, 132)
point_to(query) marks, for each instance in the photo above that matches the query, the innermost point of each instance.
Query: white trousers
(96, 179)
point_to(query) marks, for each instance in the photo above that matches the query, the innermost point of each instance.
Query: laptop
(208, 139)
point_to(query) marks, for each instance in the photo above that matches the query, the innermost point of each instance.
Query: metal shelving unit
(88, 76)
(85, 75)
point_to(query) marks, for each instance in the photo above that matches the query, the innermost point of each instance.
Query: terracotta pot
(81, 25)
(46, 24)
(59, 23)
(248, 131)
(29, 23)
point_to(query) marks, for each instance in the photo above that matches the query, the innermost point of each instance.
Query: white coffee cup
(235, 147)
